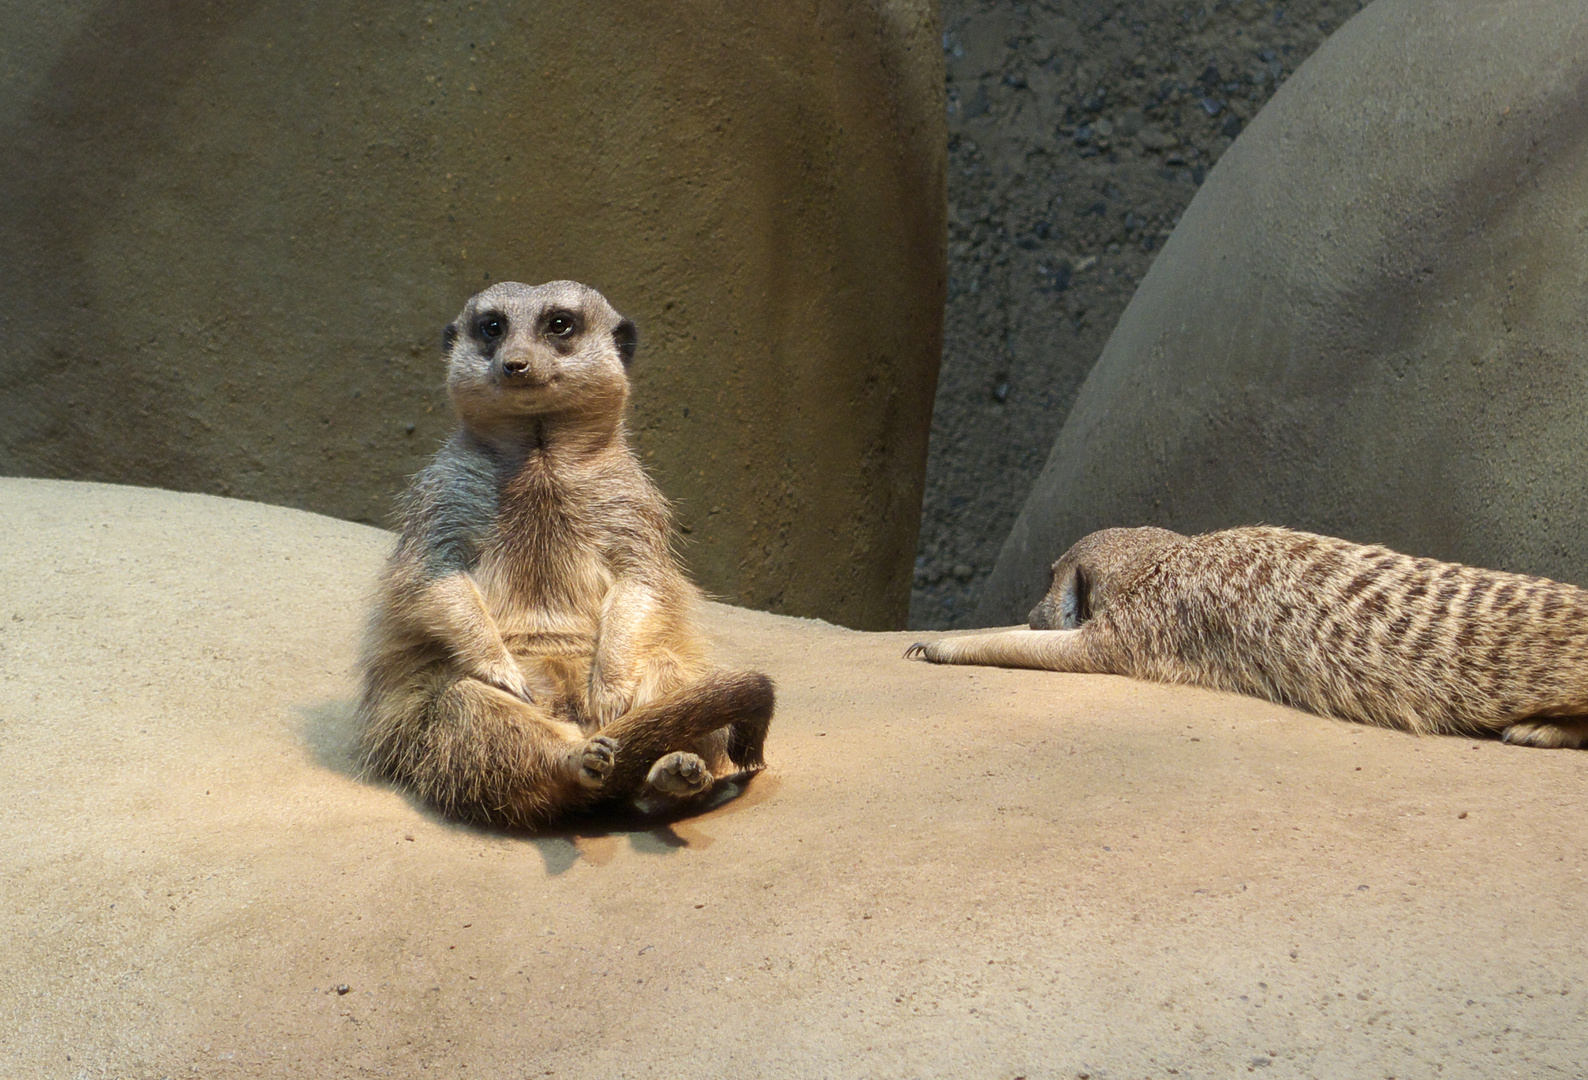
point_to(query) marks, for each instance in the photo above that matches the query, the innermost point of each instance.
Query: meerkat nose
(1041, 617)
(515, 365)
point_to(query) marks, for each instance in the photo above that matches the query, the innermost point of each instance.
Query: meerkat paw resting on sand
(533, 650)
(1339, 629)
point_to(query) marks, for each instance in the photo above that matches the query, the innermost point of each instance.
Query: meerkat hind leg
(1049, 650)
(483, 754)
(1556, 733)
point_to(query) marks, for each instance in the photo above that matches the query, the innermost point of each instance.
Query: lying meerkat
(1339, 629)
(533, 649)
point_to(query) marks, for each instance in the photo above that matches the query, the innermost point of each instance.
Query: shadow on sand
(329, 732)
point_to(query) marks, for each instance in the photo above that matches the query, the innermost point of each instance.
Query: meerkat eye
(490, 327)
(561, 324)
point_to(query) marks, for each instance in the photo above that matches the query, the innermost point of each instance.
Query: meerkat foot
(680, 774)
(1556, 735)
(595, 760)
(921, 650)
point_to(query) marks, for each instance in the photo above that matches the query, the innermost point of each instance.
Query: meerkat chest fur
(564, 533)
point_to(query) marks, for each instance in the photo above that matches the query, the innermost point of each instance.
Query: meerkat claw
(917, 651)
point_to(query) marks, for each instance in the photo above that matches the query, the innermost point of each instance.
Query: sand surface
(946, 872)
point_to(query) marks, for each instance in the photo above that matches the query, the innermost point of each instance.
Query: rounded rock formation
(1370, 321)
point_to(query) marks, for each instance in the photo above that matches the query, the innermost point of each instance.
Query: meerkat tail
(1049, 650)
(747, 733)
(740, 701)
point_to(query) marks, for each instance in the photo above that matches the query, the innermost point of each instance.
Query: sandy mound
(946, 872)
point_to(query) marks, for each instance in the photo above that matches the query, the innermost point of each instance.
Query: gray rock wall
(1078, 133)
(1370, 321)
(232, 233)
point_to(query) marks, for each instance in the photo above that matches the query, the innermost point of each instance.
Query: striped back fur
(1340, 629)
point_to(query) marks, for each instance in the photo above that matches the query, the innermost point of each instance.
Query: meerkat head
(1093, 571)
(518, 352)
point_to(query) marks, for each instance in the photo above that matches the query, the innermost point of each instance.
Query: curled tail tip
(746, 749)
(747, 733)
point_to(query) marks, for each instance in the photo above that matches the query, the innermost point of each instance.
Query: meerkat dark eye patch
(561, 324)
(490, 326)
(1075, 601)
(625, 337)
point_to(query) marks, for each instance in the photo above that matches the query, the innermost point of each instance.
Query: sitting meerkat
(1339, 629)
(533, 649)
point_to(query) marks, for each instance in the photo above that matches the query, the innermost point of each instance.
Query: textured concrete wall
(1371, 320)
(1077, 135)
(233, 232)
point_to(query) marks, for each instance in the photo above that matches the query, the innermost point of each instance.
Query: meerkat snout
(1041, 617)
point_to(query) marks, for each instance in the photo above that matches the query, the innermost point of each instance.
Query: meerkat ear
(625, 337)
(1075, 600)
(449, 334)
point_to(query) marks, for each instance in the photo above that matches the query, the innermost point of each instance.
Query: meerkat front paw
(680, 774)
(595, 759)
(922, 650)
(606, 704)
(1566, 735)
(507, 678)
